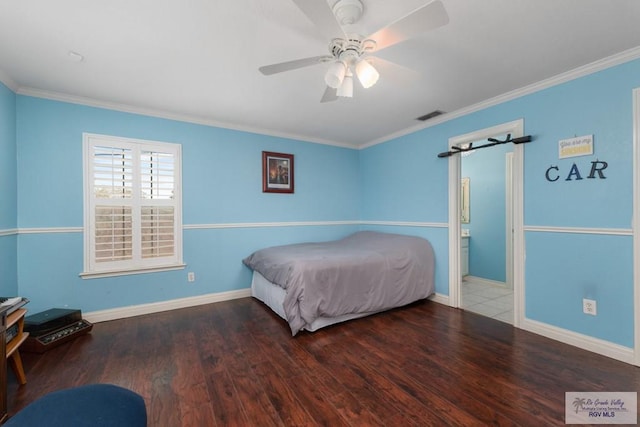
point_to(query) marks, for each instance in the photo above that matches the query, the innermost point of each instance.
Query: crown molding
(91, 102)
(593, 67)
(8, 81)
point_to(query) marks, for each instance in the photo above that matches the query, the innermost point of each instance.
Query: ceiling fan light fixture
(346, 88)
(348, 12)
(335, 74)
(366, 73)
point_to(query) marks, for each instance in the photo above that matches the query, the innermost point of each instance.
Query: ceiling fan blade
(267, 70)
(387, 68)
(330, 94)
(319, 12)
(426, 18)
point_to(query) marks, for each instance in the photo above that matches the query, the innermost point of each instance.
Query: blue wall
(403, 182)
(222, 184)
(400, 181)
(561, 268)
(486, 169)
(8, 197)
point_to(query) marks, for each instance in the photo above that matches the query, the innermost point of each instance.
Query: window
(133, 209)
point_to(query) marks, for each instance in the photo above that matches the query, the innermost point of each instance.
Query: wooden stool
(13, 353)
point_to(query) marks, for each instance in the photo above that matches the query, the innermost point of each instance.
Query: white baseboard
(585, 342)
(156, 307)
(440, 298)
(484, 281)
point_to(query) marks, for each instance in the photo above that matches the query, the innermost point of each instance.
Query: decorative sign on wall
(573, 147)
(596, 171)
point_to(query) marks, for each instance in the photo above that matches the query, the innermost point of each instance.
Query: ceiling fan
(349, 53)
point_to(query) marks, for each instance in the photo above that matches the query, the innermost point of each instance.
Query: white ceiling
(199, 59)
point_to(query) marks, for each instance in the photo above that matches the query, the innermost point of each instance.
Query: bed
(313, 285)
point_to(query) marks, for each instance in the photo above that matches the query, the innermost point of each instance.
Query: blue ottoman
(89, 405)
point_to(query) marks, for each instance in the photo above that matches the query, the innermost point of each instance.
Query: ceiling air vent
(430, 115)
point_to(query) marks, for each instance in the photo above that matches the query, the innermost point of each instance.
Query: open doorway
(508, 282)
(486, 233)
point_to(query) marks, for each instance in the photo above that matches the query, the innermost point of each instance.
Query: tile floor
(488, 300)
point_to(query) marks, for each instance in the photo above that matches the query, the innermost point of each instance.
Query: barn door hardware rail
(492, 142)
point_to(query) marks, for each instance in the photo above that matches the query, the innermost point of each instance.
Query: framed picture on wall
(277, 172)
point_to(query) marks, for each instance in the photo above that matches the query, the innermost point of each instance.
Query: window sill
(113, 273)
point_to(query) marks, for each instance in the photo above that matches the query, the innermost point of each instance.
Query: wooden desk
(12, 351)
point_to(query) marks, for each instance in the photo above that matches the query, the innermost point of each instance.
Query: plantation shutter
(112, 182)
(132, 206)
(157, 186)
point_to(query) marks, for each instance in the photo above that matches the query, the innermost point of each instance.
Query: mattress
(273, 296)
(363, 273)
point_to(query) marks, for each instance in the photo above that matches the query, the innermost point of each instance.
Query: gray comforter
(364, 272)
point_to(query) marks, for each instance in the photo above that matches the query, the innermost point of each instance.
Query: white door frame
(509, 219)
(516, 129)
(636, 225)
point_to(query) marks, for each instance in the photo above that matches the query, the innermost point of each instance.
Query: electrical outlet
(191, 276)
(589, 306)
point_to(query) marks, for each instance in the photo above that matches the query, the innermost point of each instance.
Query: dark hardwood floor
(235, 363)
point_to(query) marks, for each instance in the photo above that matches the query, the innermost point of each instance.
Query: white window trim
(152, 265)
